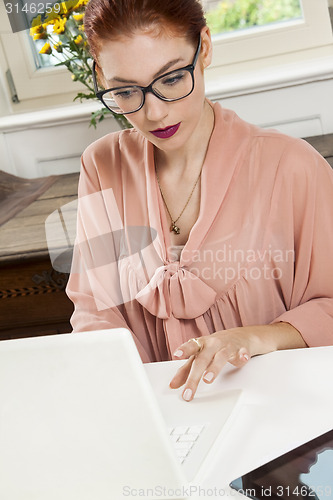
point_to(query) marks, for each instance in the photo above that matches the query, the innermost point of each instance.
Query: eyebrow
(164, 69)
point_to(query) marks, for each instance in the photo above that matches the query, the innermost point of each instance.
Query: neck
(192, 155)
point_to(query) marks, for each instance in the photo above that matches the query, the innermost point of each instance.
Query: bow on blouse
(175, 291)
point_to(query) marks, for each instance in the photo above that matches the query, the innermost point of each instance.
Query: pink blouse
(260, 251)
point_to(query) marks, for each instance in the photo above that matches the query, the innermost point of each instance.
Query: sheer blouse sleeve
(305, 184)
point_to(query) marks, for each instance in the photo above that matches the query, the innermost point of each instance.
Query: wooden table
(323, 144)
(32, 293)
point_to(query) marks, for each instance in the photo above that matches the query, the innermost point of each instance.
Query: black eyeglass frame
(190, 68)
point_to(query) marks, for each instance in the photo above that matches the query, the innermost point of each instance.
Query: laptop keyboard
(184, 439)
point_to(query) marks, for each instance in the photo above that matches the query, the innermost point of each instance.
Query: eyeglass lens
(173, 86)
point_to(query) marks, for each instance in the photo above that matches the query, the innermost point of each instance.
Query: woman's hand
(207, 355)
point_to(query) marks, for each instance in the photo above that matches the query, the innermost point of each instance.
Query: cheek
(194, 106)
(136, 119)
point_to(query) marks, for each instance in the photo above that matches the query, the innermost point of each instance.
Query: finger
(221, 358)
(198, 368)
(189, 348)
(214, 368)
(181, 375)
(241, 358)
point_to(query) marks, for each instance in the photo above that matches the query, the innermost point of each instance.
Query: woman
(207, 237)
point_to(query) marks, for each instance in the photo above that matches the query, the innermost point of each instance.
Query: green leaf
(82, 95)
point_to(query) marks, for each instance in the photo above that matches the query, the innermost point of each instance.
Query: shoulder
(104, 161)
(303, 179)
(297, 159)
(298, 168)
(286, 154)
(113, 144)
(285, 165)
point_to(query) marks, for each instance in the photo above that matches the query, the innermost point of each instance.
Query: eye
(173, 79)
(125, 93)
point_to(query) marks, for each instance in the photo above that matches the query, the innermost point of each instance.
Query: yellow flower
(81, 27)
(67, 7)
(59, 26)
(46, 49)
(80, 3)
(58, 47)
(51, 18)
(78, 40)
(40, 36)
(36, 29)
(78, 17)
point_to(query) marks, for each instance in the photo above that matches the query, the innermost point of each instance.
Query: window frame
(313, 31)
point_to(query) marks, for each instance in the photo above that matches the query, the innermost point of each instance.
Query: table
(323, 144)
(286, 401)
(32, 294)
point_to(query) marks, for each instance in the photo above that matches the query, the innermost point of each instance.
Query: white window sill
(71, 113)
(268, 78)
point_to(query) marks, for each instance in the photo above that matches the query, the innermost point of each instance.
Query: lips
(165, 133)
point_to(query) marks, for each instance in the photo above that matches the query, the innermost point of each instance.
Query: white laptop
(79, 421)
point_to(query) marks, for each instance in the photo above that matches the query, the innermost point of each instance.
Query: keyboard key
(195, 429)
(179, 430)
(188, 437)
(182, 453)
(184, 438)
(184, 445)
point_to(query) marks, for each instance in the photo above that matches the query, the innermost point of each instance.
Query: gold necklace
(173, 226)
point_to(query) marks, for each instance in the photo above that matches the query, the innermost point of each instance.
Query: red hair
(108, 19)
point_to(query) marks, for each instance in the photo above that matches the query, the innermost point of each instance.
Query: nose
(155, 108)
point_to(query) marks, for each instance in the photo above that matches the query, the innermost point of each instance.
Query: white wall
(300, 106)
(48, 142)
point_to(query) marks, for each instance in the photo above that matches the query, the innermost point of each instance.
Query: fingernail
(178, 354)
(246, 357)
(187, 394)
(208, 376)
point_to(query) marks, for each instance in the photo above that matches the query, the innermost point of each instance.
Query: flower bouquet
(62, 29)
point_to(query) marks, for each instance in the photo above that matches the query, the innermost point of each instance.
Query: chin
(169, 144)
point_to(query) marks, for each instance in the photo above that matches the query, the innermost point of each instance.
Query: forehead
(140, 57)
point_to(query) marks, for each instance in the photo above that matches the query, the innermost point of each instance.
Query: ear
(206, 47)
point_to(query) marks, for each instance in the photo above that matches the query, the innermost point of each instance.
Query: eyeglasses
(171, 86)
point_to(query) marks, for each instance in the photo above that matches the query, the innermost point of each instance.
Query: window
(310, 31)
(37, 85)
(231, 15)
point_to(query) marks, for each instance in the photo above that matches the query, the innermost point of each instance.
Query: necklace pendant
(174, 228)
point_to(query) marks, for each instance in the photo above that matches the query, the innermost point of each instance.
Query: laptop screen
(303, 473)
